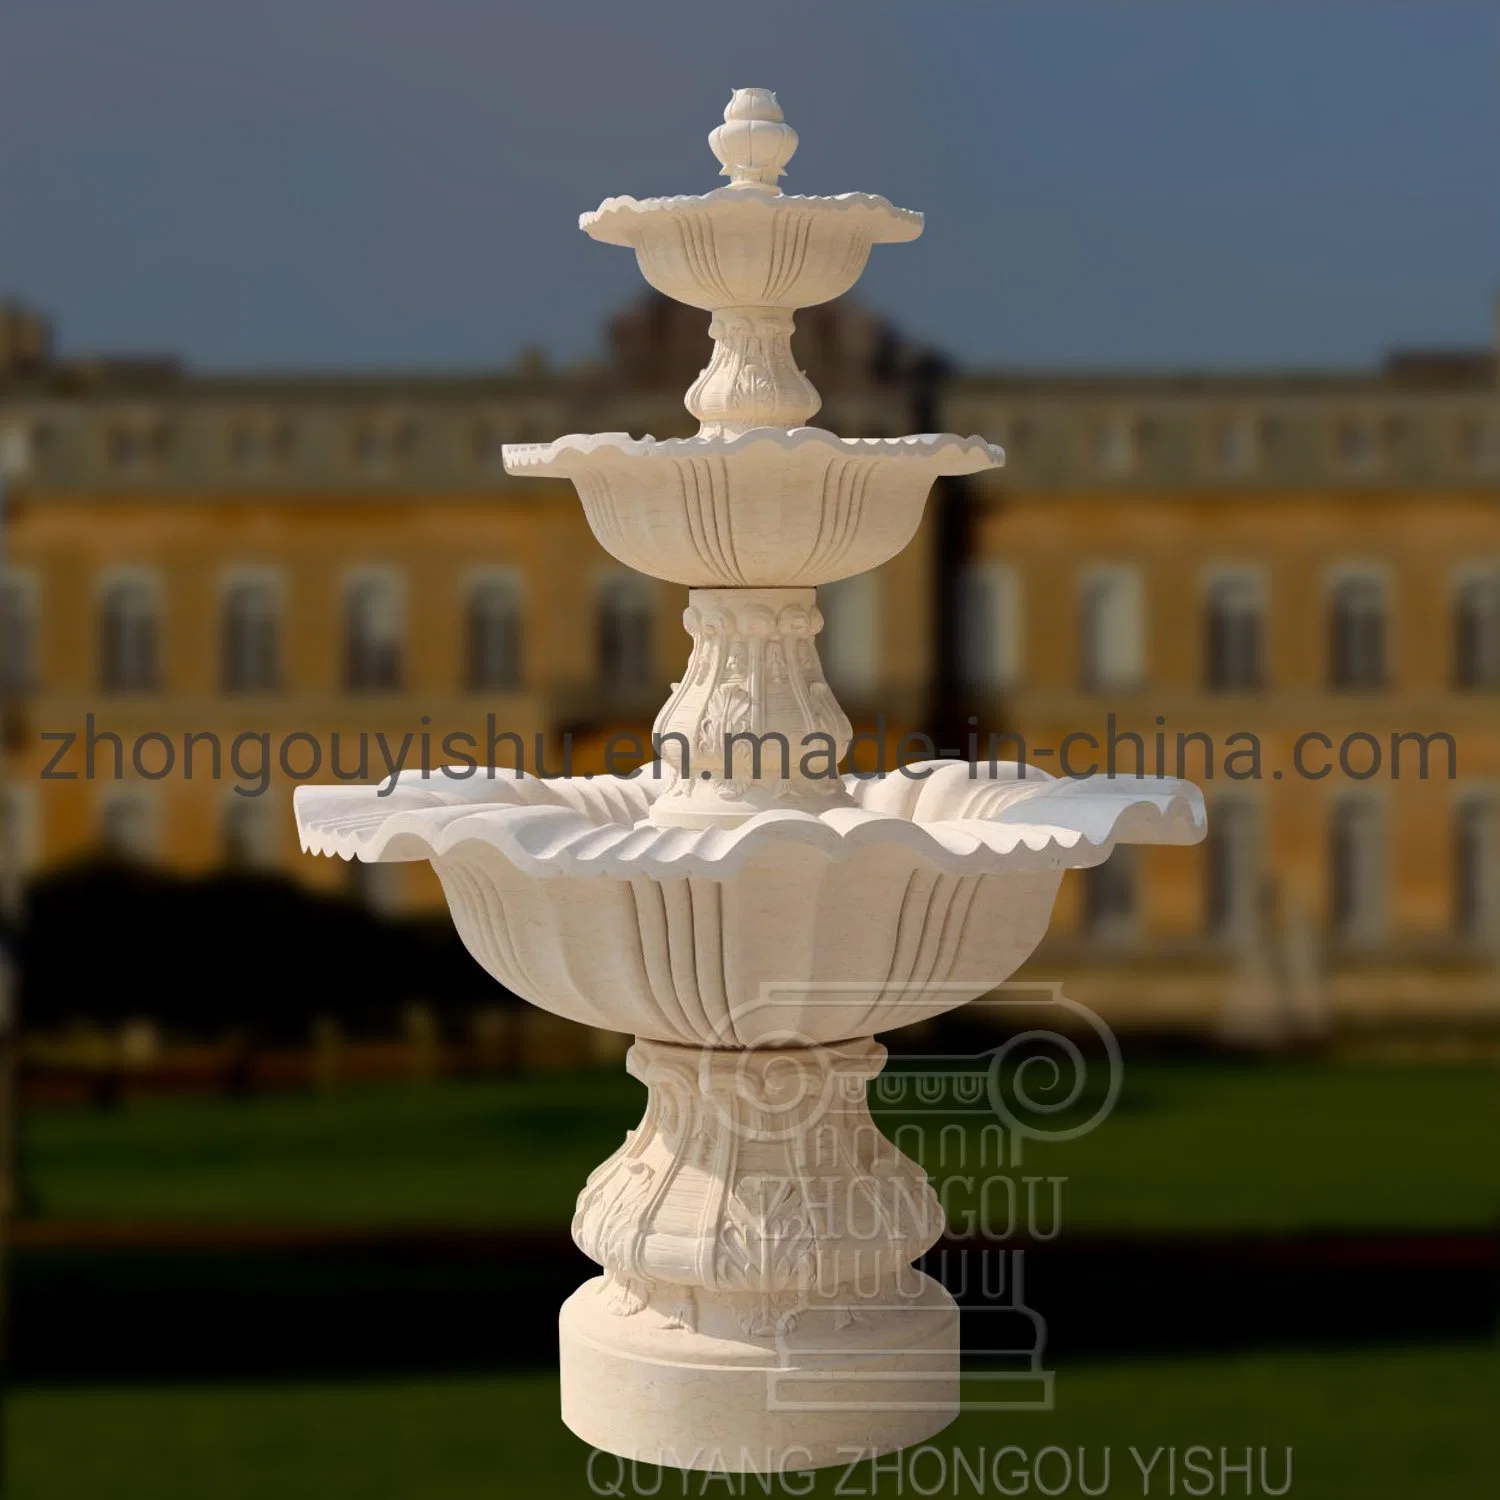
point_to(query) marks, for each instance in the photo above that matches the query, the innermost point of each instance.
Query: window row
(266, 446)
(1358, 869)
(1359, 443)
(1356, 445)
(1232, 629)
(1112, 631)
(251, 632)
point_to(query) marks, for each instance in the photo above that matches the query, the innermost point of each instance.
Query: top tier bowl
(747, 245)
(759, 498)
(751, 246)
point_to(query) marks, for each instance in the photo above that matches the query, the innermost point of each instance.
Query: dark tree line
(253, 954)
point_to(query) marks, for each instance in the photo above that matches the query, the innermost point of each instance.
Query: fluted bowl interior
(768, 508)
(787, 929)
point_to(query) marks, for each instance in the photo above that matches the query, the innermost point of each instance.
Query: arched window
(383, 445)
(127, 825)
(1476, 632)
(625, 626)
(1476, 865)
(17, 633)
(849, 644)
(1233, 852)
(1356, 445)
(989, 634)
(489, 445)
(372, 634)
(1356, 871)
(494, 633)
(1357, 632)
(1110, 905)
(249, 829)
(1118, 441)
(1479, 444)
(1233, 634)
(1235, 447)
(136, 445)
(128, 631)
(250, 636)
(1113, 628)
(260, 446)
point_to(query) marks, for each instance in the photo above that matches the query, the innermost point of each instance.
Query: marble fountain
(753, 920)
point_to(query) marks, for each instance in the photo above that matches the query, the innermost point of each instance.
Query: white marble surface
(766, 508)
(751, 925)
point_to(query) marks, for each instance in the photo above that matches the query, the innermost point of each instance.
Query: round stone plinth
(835, 1384)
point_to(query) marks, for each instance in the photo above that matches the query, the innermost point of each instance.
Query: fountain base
(759, 1312)
(839, 1383)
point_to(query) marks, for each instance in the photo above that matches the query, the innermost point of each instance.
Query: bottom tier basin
(787, 930)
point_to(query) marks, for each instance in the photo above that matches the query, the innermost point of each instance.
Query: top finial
(754, 143)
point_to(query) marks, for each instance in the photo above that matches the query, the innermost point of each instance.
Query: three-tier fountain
(752, 917)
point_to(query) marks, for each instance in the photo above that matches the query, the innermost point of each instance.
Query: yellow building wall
(1422, 539)
(71, 546)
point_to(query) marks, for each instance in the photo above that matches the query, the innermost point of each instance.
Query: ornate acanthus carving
(756, 1183)
(752, 379)
(753, 721)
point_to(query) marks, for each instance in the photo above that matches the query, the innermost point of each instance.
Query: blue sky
(337, 183)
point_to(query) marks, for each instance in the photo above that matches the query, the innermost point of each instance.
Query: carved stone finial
(754, 143)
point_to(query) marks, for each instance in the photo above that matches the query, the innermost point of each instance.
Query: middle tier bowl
(769, 508)
(789, 929)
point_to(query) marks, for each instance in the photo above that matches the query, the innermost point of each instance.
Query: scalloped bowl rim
(905, 224)
(977, 452)
(548, 839)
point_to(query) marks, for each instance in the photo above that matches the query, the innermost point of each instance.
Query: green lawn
(1276, 1147)
(1199, 1146)
(1269, 1147)
(495, 1150)
(1383, 1426)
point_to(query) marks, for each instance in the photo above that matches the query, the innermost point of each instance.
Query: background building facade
(1284, 586)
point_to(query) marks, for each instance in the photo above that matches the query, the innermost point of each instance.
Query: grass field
(1383, 1426)
(1274, 1146)
(1189, 1147)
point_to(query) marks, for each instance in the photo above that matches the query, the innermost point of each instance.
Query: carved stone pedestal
(758, 1309)
(753, 725)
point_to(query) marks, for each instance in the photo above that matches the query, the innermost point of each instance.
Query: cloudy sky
(257, 183)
